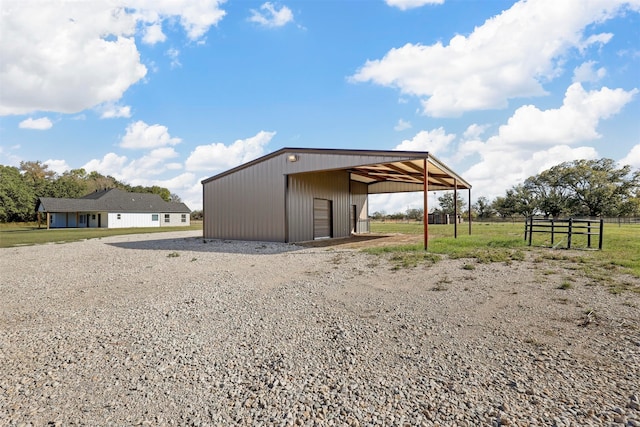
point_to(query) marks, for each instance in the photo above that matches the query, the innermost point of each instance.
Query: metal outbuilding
(301, 194)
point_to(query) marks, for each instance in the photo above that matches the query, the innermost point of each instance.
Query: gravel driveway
(167, 329)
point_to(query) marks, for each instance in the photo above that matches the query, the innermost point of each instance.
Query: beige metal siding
(246, 205)
(303, 188)
(359, 198)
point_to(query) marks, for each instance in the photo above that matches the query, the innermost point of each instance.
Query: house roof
(112, 200)
(383, 171)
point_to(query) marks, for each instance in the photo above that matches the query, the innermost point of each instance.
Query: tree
(175, 198)
(71, 184)
(97, 182)
(483, 207)
(415, 214)
(551, 197)
(582, 187)
(505, 206)
(36, 171)
(525, 202)
(16, 196)
(597, 186)
(446, 203)
(378, 215)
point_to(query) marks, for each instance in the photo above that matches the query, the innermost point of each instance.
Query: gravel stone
(174, 329)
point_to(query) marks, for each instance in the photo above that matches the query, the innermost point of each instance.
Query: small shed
(302, 194)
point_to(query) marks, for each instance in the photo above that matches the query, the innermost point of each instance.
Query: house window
(183, 218)
(119, 216)
(154, 217)
(93, 216)
(81, 219)
(167, 218)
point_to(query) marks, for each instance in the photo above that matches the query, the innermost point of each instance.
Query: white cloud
(111, 110)
(435, 141)
(509, 56)
(576, 120)
(217, 156)
(500, 170)
(633, 158)
(586, 72)
(141, 135)
(7, 157)
(153, 34)
(152, 164)
(145, 170)
(402, 125)
(271, 16)
(43, 123)
(137, 171)
(67, 56)
(471, 142)
(174, 55)
(196, 17)
(533, 140)
(58, 166)
(474, 131)
(411, 4)
(111, 164)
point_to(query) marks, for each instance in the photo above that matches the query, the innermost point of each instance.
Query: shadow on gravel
(198, 244)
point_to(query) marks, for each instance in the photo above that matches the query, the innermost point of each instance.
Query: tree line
(581, 188)
(20, 188)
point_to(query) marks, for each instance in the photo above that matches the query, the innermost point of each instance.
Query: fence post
(553, 234)
(526, 225)
(600, 236)
(530, 230)
(569, 233)
(589, 234)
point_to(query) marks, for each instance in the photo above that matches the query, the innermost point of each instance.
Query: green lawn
(490, 242)
(29, 233)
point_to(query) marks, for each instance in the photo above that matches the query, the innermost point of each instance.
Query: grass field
(505, 241)
(29, 234)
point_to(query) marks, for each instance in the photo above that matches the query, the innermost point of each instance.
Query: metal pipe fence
(567, 229)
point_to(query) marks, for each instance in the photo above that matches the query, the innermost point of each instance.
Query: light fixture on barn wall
(292, 158)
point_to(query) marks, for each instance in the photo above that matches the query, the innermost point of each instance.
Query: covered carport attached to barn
(299, 194)
(422, 174)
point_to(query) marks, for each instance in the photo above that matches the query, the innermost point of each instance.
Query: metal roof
(401, 170)
(113, 200)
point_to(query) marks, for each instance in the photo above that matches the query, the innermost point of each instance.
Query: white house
(113, 208)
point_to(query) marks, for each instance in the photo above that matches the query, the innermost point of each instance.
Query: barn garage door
(321, 218)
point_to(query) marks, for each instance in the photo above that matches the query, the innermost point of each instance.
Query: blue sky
(169, 92)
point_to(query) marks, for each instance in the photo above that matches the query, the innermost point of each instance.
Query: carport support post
(455, 208)
(469, 212)
(425, 204)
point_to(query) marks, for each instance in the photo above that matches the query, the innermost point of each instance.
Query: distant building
(301, 194)
(112, 208)
(443, 218)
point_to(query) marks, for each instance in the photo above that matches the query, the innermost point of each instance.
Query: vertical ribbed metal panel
(359, 197)
(246, 205)
(303, 188)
